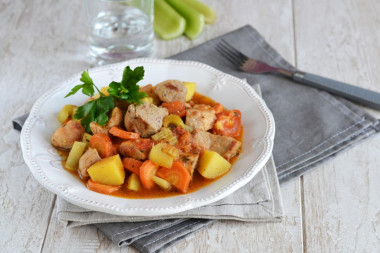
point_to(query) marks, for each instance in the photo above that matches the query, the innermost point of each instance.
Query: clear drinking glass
(120, 29)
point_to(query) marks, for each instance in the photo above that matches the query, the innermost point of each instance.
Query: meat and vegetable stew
(147, 141)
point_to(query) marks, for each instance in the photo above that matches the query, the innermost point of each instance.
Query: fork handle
(353, 93)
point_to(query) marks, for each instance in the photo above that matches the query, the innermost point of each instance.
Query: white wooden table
(335, 208)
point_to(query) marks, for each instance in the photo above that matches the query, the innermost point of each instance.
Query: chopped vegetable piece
(132, 165)
(75, 154)
(108, 171)
(147, 170)
(209, 13)
(166, 135)
(172, 119)
(175, 120)
(177, 175)
(168, 24)
(101, 188)
(218, 108)
(163, 184)
(190, 86)
(170, 150)
(187, 128)
(159, 157)
(228, 123)
(134, 183)
(86, 137)
(147, 100)
(194, 20)
(212, 165)
(65, 113)
(103, 144)
(116, 131)
(175, 107)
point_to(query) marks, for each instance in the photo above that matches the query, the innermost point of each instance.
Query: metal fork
(353, 93)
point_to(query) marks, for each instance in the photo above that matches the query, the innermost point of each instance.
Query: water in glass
(119, 34)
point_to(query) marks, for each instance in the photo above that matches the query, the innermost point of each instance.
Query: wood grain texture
(341, 39)
(43, 43)
(38, 49)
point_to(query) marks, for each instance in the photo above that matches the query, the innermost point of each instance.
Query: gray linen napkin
(312, 125)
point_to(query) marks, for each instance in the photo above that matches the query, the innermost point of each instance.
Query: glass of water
(120, 29)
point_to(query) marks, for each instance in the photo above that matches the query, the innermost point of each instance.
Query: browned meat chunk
(226, 146)
(116, 118)
(200, 117)
(98, 129)
(171, 90)
(189, 160)
(148, 89)
(90, 157)
(201, 140)
(138, 149)
(65, 136)
(145, 119)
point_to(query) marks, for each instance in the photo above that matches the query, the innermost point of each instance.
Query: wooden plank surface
(340, 39)
(38, 48)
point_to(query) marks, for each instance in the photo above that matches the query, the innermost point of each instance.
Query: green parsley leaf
(94, 111)
(127, 89)
(97, 110)
(87, 86)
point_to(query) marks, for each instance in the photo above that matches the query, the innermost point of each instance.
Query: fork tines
(230, 53)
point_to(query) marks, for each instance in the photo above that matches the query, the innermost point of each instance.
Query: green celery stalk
(168, 24)
(195, 20)
(209, 13)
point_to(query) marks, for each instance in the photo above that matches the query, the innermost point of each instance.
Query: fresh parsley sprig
(127, 89)
(96, 110)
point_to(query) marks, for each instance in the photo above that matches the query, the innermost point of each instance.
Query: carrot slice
(147, 170)
(101, 188)
(115, 131)
(132, 165)
(177, 175)
(218, 108)
(103, 144)
(175, 107)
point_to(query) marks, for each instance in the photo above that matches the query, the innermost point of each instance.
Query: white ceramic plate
(233, 93)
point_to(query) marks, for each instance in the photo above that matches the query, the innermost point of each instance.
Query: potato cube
(109, 171)
(212, 165)
(190, 86)
(134, 183)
